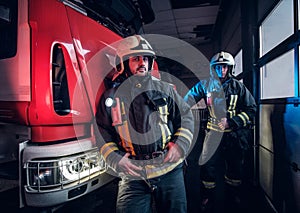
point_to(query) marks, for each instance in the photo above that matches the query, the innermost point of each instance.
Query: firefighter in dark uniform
(147, 129)
(231, 112)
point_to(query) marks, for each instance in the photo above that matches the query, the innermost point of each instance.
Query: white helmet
(223, 58)
(133, 45)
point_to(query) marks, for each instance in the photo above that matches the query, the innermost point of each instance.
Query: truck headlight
(44, 175)
(82, 166)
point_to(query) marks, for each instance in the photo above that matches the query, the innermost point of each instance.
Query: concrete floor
(104, 199)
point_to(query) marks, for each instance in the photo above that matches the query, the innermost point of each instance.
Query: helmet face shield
(149, 57)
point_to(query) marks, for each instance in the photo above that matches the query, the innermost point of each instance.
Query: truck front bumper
(58, 173)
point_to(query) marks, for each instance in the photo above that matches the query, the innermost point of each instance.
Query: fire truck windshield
(8, 28)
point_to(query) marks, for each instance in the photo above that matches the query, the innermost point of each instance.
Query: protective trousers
(228, 159)
(167, 192)
(225, 164)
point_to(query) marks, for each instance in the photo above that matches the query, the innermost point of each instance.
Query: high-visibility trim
(209, 184)
(108, 148)
(153, 171)
(184, 133)
(244, 117)
(165, 134)
(232, 105)
(163, 113)
(165, 131)
(216, 127)
(233, 182)
(187, 131)
(107, 145)
(125, 138)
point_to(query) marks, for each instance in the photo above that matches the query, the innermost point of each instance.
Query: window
(277, 26)
(298, 14)
(61, 98)
(239, 63)
(277, 77)
(8, 28)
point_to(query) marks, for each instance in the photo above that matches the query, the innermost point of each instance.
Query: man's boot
(233, 197)
(207, 201)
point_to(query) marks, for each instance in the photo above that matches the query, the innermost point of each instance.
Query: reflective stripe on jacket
(154, 114)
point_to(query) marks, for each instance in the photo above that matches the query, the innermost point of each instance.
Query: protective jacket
(231, 100)
(144, 116)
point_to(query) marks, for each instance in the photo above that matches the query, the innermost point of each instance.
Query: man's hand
(223, 124)
(129, 168)
(174, 153)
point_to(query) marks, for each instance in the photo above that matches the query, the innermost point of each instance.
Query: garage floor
(104, 199)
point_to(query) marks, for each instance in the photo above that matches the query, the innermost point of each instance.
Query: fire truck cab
(50, 80)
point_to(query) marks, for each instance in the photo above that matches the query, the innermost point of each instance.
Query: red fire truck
(49, 88)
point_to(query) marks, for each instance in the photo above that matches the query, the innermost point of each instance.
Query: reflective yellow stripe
(109, 151)
(163, 113)
(232, 105)
(165, 134)
(108, 148)
(233, 182)
(153, 171)
(187, 131)
(163, 109)
(244, 117)
(216, 127)
(184, 133)
(165, 131)
(209, 185)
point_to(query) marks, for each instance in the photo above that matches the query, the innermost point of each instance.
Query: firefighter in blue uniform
(147, 129)
(231, 112)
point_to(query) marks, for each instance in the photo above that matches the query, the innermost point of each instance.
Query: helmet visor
(148, 56)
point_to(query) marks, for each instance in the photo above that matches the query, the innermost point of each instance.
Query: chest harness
(120, 121)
